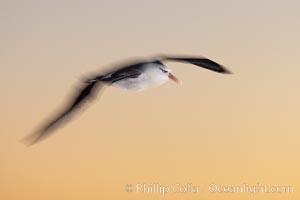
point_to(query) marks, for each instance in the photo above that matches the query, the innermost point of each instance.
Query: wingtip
(226, 71)
(223, 70)
(28, 140)
(35, 137)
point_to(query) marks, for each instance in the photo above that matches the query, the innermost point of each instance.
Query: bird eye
(165, 71)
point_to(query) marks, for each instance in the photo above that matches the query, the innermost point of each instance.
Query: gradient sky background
(223, 129)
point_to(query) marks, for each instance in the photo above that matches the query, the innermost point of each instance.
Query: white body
(151, 77)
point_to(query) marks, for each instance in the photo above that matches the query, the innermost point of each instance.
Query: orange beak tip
(175, 79)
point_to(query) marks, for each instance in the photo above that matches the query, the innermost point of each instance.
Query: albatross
(136, 76)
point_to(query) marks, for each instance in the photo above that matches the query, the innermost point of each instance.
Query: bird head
(168, 73)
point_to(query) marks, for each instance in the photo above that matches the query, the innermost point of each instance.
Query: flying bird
(135, 76)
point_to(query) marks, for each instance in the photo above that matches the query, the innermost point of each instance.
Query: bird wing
(201, 62)
(80, 97)
(83, 95)
(132, 71)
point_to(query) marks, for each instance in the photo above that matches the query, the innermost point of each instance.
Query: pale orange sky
(224, 129)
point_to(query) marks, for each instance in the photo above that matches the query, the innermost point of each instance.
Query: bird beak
(174, 78)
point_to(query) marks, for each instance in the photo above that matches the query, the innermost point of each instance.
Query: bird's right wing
(198, 61)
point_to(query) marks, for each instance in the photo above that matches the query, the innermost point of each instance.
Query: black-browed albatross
(136, 76)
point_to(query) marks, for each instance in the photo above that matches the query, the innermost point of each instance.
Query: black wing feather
(132, 71)
(201, 62)
(86, 93)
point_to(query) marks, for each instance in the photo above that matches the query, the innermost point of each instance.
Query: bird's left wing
(86, 93)
(132, 71)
